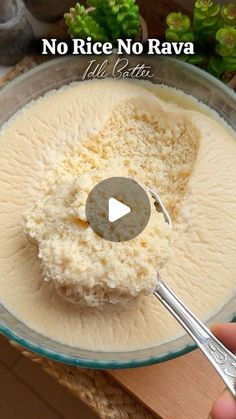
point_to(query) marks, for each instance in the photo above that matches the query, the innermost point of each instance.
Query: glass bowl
(62, 71)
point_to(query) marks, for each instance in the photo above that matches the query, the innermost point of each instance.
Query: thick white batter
(185, 155)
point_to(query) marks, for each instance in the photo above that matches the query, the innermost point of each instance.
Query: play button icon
(118, 209)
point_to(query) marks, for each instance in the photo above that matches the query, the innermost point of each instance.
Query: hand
(225, 406)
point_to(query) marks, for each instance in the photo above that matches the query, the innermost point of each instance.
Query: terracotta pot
(232, 82)
(144, 30)
(49, 11)
(15, 32)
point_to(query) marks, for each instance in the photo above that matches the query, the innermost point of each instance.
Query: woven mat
(99, 391)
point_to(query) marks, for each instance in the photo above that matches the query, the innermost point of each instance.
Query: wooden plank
(182, 388)
(18, 401)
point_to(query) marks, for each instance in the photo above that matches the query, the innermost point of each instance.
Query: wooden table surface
(183, 388)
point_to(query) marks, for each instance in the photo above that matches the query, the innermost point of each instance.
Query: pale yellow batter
(69, 140)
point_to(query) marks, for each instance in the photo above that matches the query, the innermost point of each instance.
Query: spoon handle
(220, 357)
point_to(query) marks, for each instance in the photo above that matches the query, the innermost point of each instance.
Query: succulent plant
(226, 41)
(228, 13)
(119, 17)
(225, 60)
(179, 28)
(206, 20)
(81, 24)
(213, 30)
(110, 19)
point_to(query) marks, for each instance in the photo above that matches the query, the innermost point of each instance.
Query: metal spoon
(219, 356)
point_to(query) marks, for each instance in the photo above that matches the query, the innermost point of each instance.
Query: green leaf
(81, 24)
(186, 23)
(216, 66)
(132, 25)
(68, 19)
(203, 4)
(120, 17)
(130, 16)
(178, 22)
(228, 12)
(110, 20)
(196, 59)
(230, 60)
(115, 9)
(124, 8)
(227, 37)
(210, 21)
(199, 15)
(214, 10)
(135, 9)
(187, 37)
(228, 66)
(222, 50)
(171, 36)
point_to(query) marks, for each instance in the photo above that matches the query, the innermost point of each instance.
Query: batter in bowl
(52, 154)
(138, 141)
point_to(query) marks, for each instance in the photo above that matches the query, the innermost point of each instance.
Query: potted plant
(106, 20)
(212, 28)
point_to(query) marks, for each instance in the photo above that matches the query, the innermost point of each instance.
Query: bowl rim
(103, 363)
(96, 363)
(197, 70)
(93, 363)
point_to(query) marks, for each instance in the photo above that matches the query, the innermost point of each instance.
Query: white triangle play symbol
(116, 210)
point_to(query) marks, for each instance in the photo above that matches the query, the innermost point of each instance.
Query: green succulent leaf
(213, 31)
(78, 9)
(206, 14)
(210, 21)
(196, 59)
(187, 37)
(115, 9)
(215, 66)
(227, 37)
(123, 8)
(222, 50)
(229, 65)
(178, 22)
(203, 4)
(120, 17)
(122, 20)
(171, 36)
(214, 10)
(199, 15)
(230, 60)
(81, 24)
(111, 19)
(228, 12)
